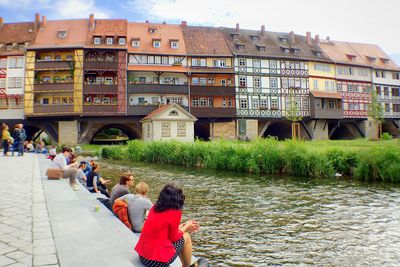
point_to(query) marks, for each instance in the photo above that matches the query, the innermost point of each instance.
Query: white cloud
(356, 20)
(68, 9)
(21, 4)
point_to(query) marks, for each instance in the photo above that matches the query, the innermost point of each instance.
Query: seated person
(95, 183)
(52, 152)
(29, 147)
(125, 182)
(88, 168)
(138, 206)
(41, 148)
(69, 169)
(81, 177)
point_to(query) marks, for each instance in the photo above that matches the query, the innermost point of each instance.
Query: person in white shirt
(70, 170)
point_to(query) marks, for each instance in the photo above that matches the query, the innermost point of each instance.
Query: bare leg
(186, 253)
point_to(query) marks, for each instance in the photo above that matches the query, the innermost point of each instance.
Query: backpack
(120, 209)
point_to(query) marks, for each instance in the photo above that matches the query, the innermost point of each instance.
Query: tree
(293, 114)
(375, 112)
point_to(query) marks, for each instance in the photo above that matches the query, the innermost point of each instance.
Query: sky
(342, 20)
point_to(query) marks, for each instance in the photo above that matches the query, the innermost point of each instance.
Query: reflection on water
(259, 221)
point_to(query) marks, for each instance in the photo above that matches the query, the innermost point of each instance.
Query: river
(259, 221)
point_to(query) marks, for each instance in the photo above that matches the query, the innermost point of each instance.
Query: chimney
(164, 22)
(43, 23)
(317, 38)
(237, 27)
(291, 37)
(262, 29)
(91, 21)
(308, 38)
(146, 21)
(328, 38)
(183, 23)
(1, 21)
(36, 22)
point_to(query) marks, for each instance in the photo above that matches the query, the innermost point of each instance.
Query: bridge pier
(319, 129)
(68, 132)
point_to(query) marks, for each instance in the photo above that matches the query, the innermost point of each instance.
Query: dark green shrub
(341, 161)
(386, 136)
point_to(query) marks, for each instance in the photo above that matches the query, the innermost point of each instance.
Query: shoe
(201, 262)
(76, 187)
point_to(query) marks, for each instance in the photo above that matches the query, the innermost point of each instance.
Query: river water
(262, 221)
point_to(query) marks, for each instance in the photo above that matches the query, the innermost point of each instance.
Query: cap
(82, 162)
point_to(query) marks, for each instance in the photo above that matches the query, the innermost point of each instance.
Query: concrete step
(84, 236)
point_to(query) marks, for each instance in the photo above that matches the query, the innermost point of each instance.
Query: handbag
(54, 174)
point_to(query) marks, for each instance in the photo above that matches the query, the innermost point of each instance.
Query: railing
(101, 65)
(158, 89)
(100, 88)
(46, 65)
(214, 112)
(141, 110)
(100, 109)
(53, 109)
(196, 90)
(355, 113)
(53, 87)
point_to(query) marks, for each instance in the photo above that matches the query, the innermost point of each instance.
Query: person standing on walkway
(125, 182)
(5, 138)
(138, 206)
(163, 238)
(15, 135)
(69, 170)
(22, 137)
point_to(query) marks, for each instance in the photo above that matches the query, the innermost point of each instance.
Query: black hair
(170, 198)
(65, 148)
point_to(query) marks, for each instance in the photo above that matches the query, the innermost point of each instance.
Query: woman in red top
(163, 238)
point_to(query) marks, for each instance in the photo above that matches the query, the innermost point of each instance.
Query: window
(210, 81)
(395, 91)
(109, 40)
(11, 82)
(173, 113)
(378, 90)
(96, 40)
(174, 44)
(57, 57)
(224, 102)
(203, 81)
(181, 129)
(140, 100)
(122, 41)
(396, 107)
(3, 103)
(148, 130)
(70, 57)
(2, 83)
(242, 62)
(243, 103)
(12, 63)
(164, 60)
(135, 43)
(108, 80)
(45, 101)
(396, 76)
(9, 46)
(223, 82)
(106, 101)
(305, 103)
(263, 103)
(274, 104)
(331, 104)
(257, 82)
(230, 102)
(256, 103)
(154, 100)
(296, 51)
(156, 44)
(210, 102)
(385, 91)
(152, 30)
(287, 51)
(242, 81)
(195, 81)
(274, 82)
(203, 102)
(62, 34)
(199, 62)
(3, 63)
(240, 47)
(220, 63)
(195, 102)
(387, 107)
(272, 64)
(166, 129)
(18, 82)
(315, 84)
(261, 48)
(13, 102)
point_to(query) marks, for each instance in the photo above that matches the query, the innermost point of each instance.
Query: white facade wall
(353, 73)
(157, 134)
(387, 86)
(18, 72)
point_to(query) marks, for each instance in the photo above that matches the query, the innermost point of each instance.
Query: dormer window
(351, 57)
(62, 34)
(371, 59)
(96, 40)
(261, 48)
(121, 40)
(152, 30)
(284, 40)
(156, 43)
(384, 60)
(254, 38)
(240, 47)
(21, 46)
(235, 36)
(319, 54)
(296, 51)
(109, 40)
(174, 44)
(9, 46)
(286, 50)
(135, 42)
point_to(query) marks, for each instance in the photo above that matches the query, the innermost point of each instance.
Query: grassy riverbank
(366, 160)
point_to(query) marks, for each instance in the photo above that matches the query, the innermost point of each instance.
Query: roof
(107, 28)
(319, 94)
(375, 56)
(158, 68)
(205, 41)
(11, 33)
(274, 47)
(47, 37)
(163, 108)
(342, 52)
(165, 32)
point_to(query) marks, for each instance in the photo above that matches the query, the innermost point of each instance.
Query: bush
(114, 152)
(386, 136)
(342, 162)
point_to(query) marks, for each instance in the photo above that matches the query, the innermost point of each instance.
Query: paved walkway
(45, 223)
(26, 237)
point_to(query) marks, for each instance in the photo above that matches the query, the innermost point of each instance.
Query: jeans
(15, 147)
(21, 148)
(6, 145)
